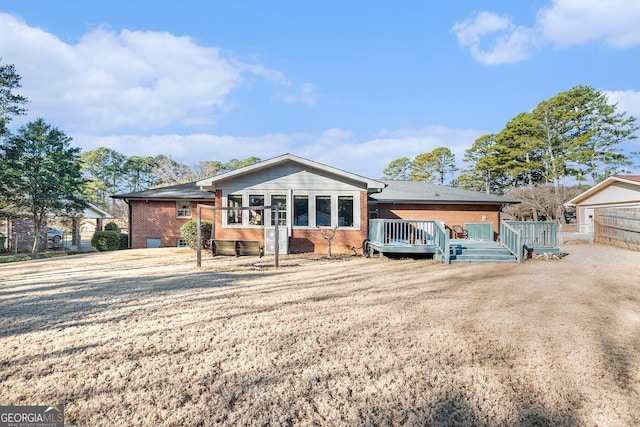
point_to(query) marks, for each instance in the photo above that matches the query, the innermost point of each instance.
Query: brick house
(308, 195)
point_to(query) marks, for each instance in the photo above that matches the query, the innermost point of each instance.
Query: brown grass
(141, 337)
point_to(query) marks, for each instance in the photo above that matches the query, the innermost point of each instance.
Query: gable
(615, 193)
(289, 176)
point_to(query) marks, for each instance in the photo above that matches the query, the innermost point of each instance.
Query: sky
(351, 84)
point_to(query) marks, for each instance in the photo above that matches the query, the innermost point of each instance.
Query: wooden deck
(409, 237)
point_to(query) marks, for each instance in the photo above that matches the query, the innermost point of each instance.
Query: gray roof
(426, 193)
(188, 191)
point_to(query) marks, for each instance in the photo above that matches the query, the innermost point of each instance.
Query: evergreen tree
(42, 175)
(398, 169)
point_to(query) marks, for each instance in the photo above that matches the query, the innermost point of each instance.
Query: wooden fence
(618, 227)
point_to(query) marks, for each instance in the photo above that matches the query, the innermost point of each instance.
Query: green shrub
(189, 231)
(124, 241)
(112, 226)
(108, 241)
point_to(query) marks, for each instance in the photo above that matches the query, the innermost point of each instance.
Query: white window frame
(183, 212)
(267, 219)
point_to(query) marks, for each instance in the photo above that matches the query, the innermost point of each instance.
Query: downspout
(130, 223)
(500, 220)
(290, 213)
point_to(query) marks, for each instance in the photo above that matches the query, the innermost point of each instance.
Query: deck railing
(541, 234)
(402, 232)
(511, 238)
(441, 240)
(411, 236)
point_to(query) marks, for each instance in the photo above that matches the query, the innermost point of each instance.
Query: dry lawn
(143, 338)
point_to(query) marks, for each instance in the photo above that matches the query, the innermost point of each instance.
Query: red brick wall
(157, 220)
(451, 214)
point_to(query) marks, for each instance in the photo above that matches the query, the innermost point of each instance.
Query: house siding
(157, 220)
(451, 214)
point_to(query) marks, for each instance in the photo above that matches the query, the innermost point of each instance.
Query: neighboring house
(614, 192)
(19, 231)
(308, 195)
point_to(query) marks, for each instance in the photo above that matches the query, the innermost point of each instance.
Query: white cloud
(335, 147)
(573, 22)
(509, 43)
(131, 80)
(306, 95)
(628, 101)
(565, 23)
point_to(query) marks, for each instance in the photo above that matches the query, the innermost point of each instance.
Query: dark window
(345, 211)
(301, 211)
(323, 211)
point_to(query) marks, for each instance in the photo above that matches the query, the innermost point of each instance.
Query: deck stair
(469, 250)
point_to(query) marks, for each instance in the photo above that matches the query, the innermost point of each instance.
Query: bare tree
(328, 234)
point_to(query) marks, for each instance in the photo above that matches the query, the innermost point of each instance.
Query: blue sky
(352, 84)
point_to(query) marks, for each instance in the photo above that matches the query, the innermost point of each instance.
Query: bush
(189, 231)
(124, 241)
(109, 241)
(112, 226)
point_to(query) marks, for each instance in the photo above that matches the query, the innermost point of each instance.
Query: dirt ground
(144, 338)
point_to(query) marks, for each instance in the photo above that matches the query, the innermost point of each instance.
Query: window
(181, 243)
(345, 211)
(183, 209)
(301, 211)
(323, 211)
(255, 217)
(281, 212)
(234, 216)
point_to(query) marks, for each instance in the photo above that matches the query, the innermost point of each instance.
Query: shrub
(109, 241)
(189, 231)
(112, 226)
(124, 241)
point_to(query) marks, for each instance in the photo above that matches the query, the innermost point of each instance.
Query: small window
(234, 216)
(183, 209)
(323, 211)
(345, 211)
(181, 243)
(255, 216)
(301, 211)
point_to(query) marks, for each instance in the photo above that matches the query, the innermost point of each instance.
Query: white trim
(291, 194)
(370, 183)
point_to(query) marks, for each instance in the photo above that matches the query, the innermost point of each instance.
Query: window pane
(183, 209)
(301, 210)
(323, 211)
(255, 217)
(345, 211)
(280, 212)
(234, 216)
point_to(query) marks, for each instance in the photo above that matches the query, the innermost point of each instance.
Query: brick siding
(453, 214)
(157, 220)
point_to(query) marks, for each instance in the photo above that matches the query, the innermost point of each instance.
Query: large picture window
(345, 211)
(301, 211)
(323, 211)
(234, 216)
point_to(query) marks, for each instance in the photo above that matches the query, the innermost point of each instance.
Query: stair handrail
(511, 239)
(441, 240)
